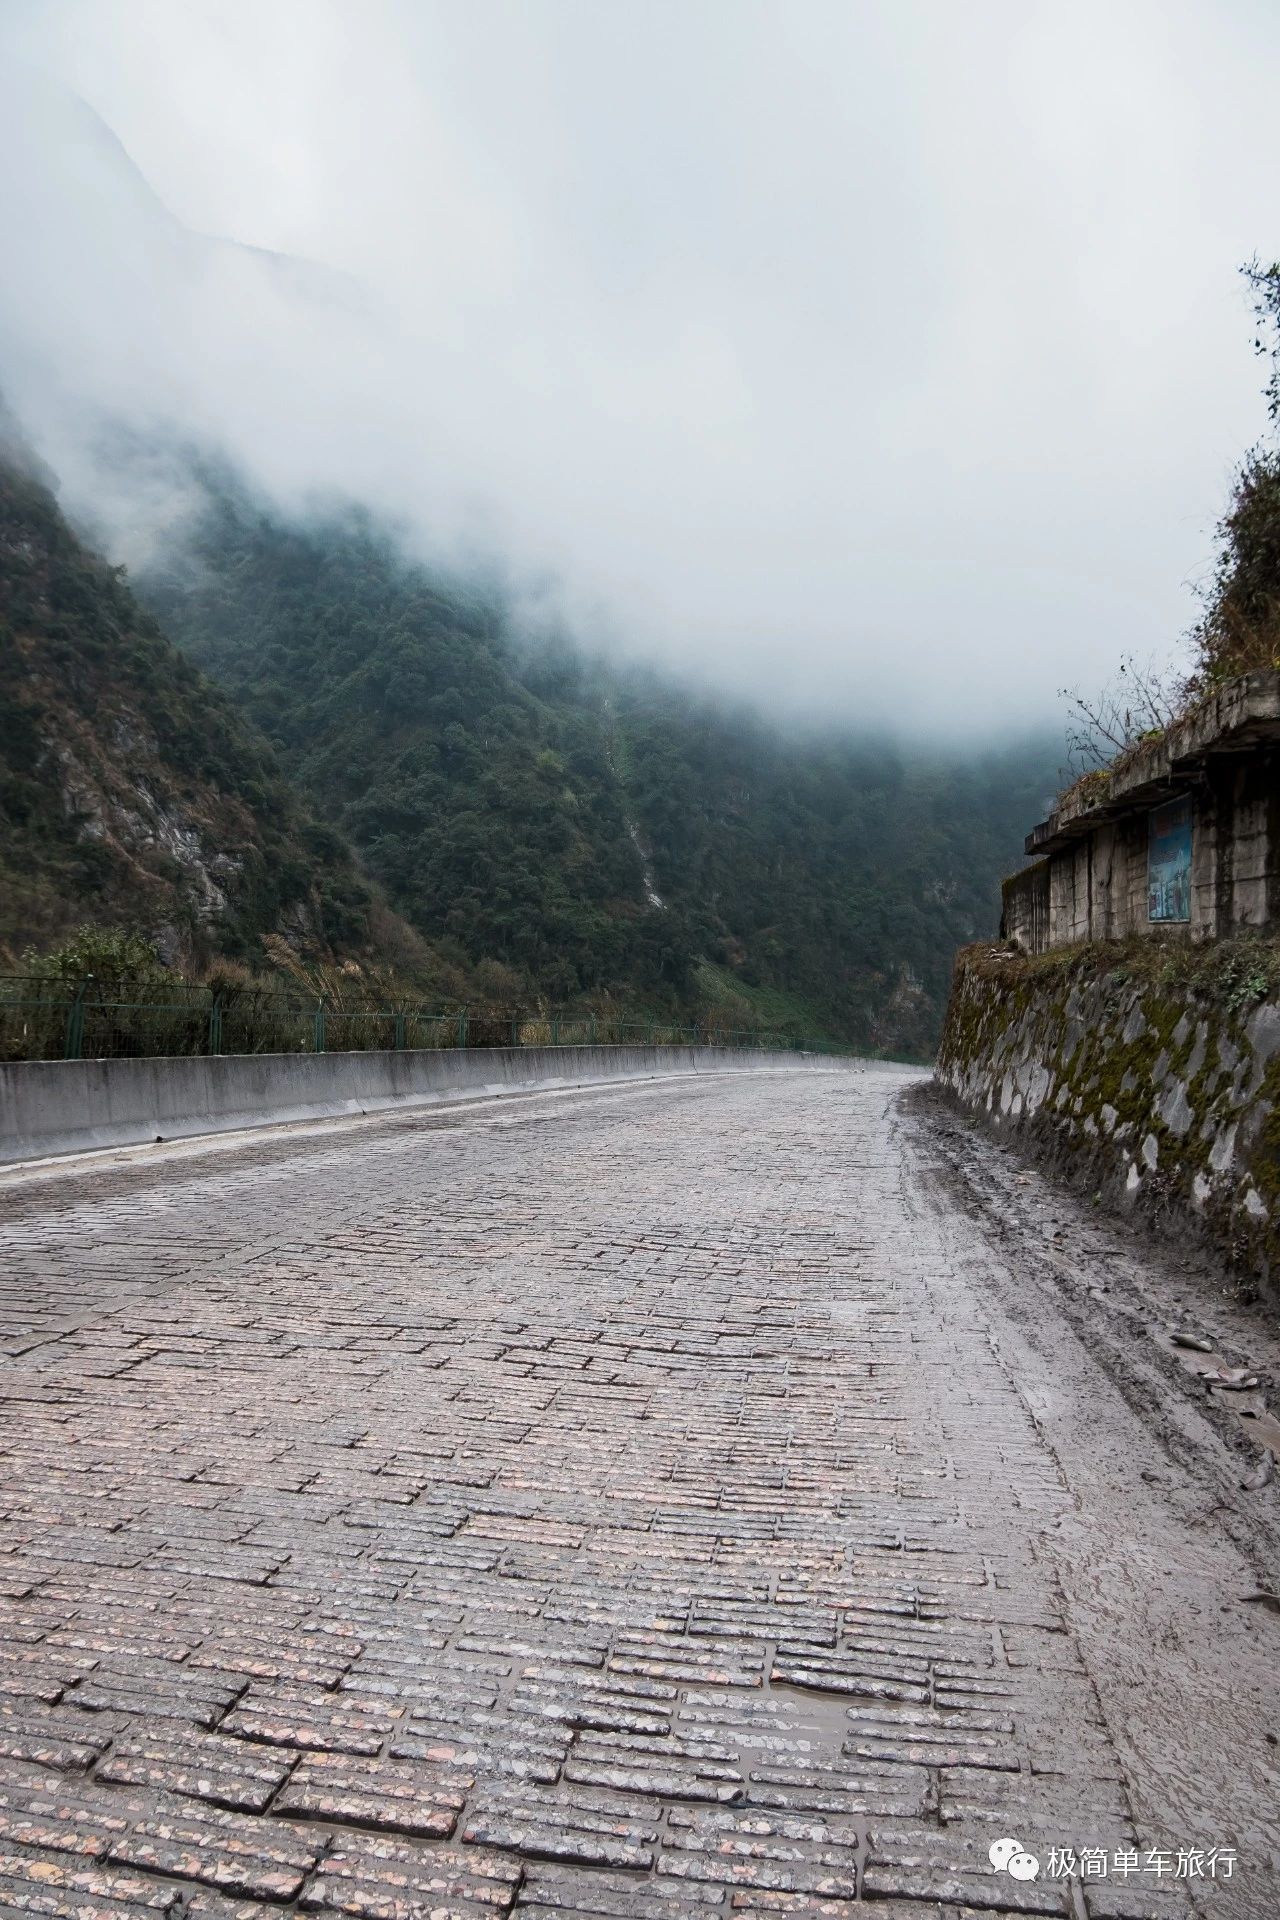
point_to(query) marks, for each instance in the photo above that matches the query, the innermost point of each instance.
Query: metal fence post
(591, 1042)
(215, 1024)
(555, 1029)
(462, 1027)
(515, 1029)
(319, 1034)
(399, 1041)
(75, 1024)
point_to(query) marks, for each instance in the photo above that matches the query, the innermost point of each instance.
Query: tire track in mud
(1162, 1546)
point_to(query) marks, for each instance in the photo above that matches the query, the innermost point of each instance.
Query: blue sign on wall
(1169, 861)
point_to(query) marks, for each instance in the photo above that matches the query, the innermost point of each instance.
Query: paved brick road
(610, 1505)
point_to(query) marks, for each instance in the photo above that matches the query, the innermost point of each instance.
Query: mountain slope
(488, 813)
(843, 870)
(131, 791)
(595, 831)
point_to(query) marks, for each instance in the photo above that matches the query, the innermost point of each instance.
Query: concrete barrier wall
(66, 1106)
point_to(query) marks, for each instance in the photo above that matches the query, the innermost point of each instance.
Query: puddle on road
(811, 1710)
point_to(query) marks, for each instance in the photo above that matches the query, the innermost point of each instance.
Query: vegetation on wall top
(1239, 629)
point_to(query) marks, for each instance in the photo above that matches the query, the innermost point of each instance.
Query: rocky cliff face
(130, 791)
(1156, 1080)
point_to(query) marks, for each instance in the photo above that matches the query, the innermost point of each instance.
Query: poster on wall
(1169, 861)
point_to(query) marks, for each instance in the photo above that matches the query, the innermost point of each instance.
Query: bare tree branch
(1140, 702)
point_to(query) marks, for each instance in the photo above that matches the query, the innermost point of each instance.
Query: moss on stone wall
(1152, 1069)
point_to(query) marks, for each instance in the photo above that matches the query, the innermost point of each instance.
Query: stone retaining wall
(1160, 1095)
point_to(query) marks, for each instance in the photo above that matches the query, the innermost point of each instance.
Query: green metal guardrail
(56, 1020)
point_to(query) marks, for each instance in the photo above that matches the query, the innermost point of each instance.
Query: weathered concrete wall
(1091, 854)
(1024, 911)
(1096, 888)
(1251, 877)
(1162, 1095)
(66, 1106)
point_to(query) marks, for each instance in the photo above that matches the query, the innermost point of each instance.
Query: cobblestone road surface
(606, 1505)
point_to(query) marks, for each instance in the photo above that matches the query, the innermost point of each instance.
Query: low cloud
(869, 361)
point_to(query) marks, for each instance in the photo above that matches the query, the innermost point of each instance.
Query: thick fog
(869, 356)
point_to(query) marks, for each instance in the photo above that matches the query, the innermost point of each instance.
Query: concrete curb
(52, 1107)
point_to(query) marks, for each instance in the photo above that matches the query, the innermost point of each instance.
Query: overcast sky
(868, 355)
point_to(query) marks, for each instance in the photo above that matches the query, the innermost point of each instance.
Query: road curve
(722, 1497)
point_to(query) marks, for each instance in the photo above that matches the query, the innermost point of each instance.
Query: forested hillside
(843, 871)
(581, 831)
(131, 791)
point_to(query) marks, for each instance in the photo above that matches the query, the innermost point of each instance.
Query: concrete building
(1180, 838)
